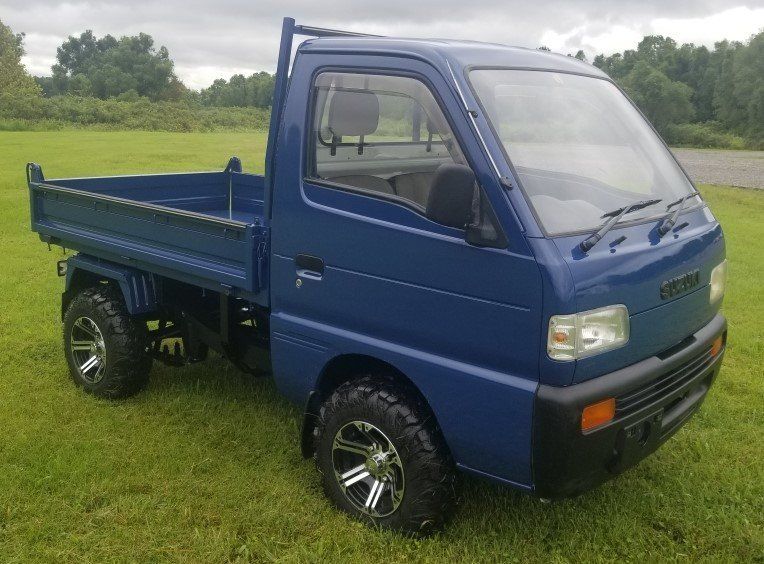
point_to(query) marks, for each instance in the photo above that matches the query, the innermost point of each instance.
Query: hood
(633, 273)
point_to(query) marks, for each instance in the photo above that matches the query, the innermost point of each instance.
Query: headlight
(587, 333)
(718, 281)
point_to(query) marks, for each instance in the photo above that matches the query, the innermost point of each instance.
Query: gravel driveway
(734, 168)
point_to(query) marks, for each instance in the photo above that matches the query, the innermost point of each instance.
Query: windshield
(579, 147)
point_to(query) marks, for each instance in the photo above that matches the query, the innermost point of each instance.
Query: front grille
(634, 400)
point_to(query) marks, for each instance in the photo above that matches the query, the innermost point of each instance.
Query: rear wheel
(105, 347)
(382, 458)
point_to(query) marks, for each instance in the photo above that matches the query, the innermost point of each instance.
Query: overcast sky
(210, 39)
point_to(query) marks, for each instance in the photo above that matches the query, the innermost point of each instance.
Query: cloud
(735, 24)
(212, 39)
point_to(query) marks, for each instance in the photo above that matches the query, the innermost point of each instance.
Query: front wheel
(105, 347)
(382, 458)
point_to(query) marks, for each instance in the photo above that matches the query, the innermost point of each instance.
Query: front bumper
(654, 398)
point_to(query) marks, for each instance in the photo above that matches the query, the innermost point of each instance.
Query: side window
(380, 134)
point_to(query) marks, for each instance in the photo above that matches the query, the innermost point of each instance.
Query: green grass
(204, 465)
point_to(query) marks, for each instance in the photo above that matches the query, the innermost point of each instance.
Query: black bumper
(654, 398)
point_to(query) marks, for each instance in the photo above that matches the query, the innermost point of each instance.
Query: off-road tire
(430, 477)
(127, 363)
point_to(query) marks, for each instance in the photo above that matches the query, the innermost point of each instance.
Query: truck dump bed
(203, 228)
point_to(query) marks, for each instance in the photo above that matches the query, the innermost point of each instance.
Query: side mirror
(485, 235)
(451, 195)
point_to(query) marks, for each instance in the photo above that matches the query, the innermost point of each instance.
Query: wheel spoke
(376, 489)
(81, 345)
(342, 443)
(99, 372)
(354, 475)
(388, 448)
(80, 324)
(395, 461)
(364, 429)
(380, 489)
(396, 493)
(353, 471)
(396, 496)
(89, 363)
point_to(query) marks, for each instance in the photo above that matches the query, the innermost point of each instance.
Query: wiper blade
(671, 221)
(615, 216)
(620, 212)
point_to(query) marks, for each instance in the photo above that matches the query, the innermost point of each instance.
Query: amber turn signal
(717, 345)
(598, 414)
(560, 337)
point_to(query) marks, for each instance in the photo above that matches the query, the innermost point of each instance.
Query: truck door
(359, 268)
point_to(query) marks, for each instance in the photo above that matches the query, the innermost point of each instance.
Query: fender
(138, 287)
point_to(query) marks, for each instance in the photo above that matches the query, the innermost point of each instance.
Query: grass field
(204, 465)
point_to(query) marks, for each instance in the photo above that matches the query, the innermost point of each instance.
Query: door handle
(309, 266)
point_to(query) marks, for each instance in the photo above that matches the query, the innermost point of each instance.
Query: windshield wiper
(670, 222)
(615, 216)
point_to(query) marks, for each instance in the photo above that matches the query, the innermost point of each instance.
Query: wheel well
(81, 279)
(345, 368)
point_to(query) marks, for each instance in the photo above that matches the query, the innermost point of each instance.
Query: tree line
(111, 83)
(716, 90)
(693, 95)
(131, 67)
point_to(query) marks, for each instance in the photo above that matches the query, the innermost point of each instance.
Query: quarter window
(383, 135)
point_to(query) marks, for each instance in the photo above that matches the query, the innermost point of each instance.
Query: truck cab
(462, 257)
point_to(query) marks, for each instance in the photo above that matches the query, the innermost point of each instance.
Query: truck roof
(462, 54)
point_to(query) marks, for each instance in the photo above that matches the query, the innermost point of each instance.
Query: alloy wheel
(88, 349)
(368, 469)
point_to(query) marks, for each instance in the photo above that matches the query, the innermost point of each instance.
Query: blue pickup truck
(461, 257)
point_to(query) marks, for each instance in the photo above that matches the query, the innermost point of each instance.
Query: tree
(618, 65)
(114, 66)
(656, 50)
(580, 55)
(662, 100)
(255, 90)
(727, 108)
(741, 93)
(14, 78)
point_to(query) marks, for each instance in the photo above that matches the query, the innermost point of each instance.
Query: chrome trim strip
(474, 121)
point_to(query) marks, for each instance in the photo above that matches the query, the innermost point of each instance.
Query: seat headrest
(353, 113)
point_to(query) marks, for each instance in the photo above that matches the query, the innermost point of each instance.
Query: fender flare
(138, 287)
